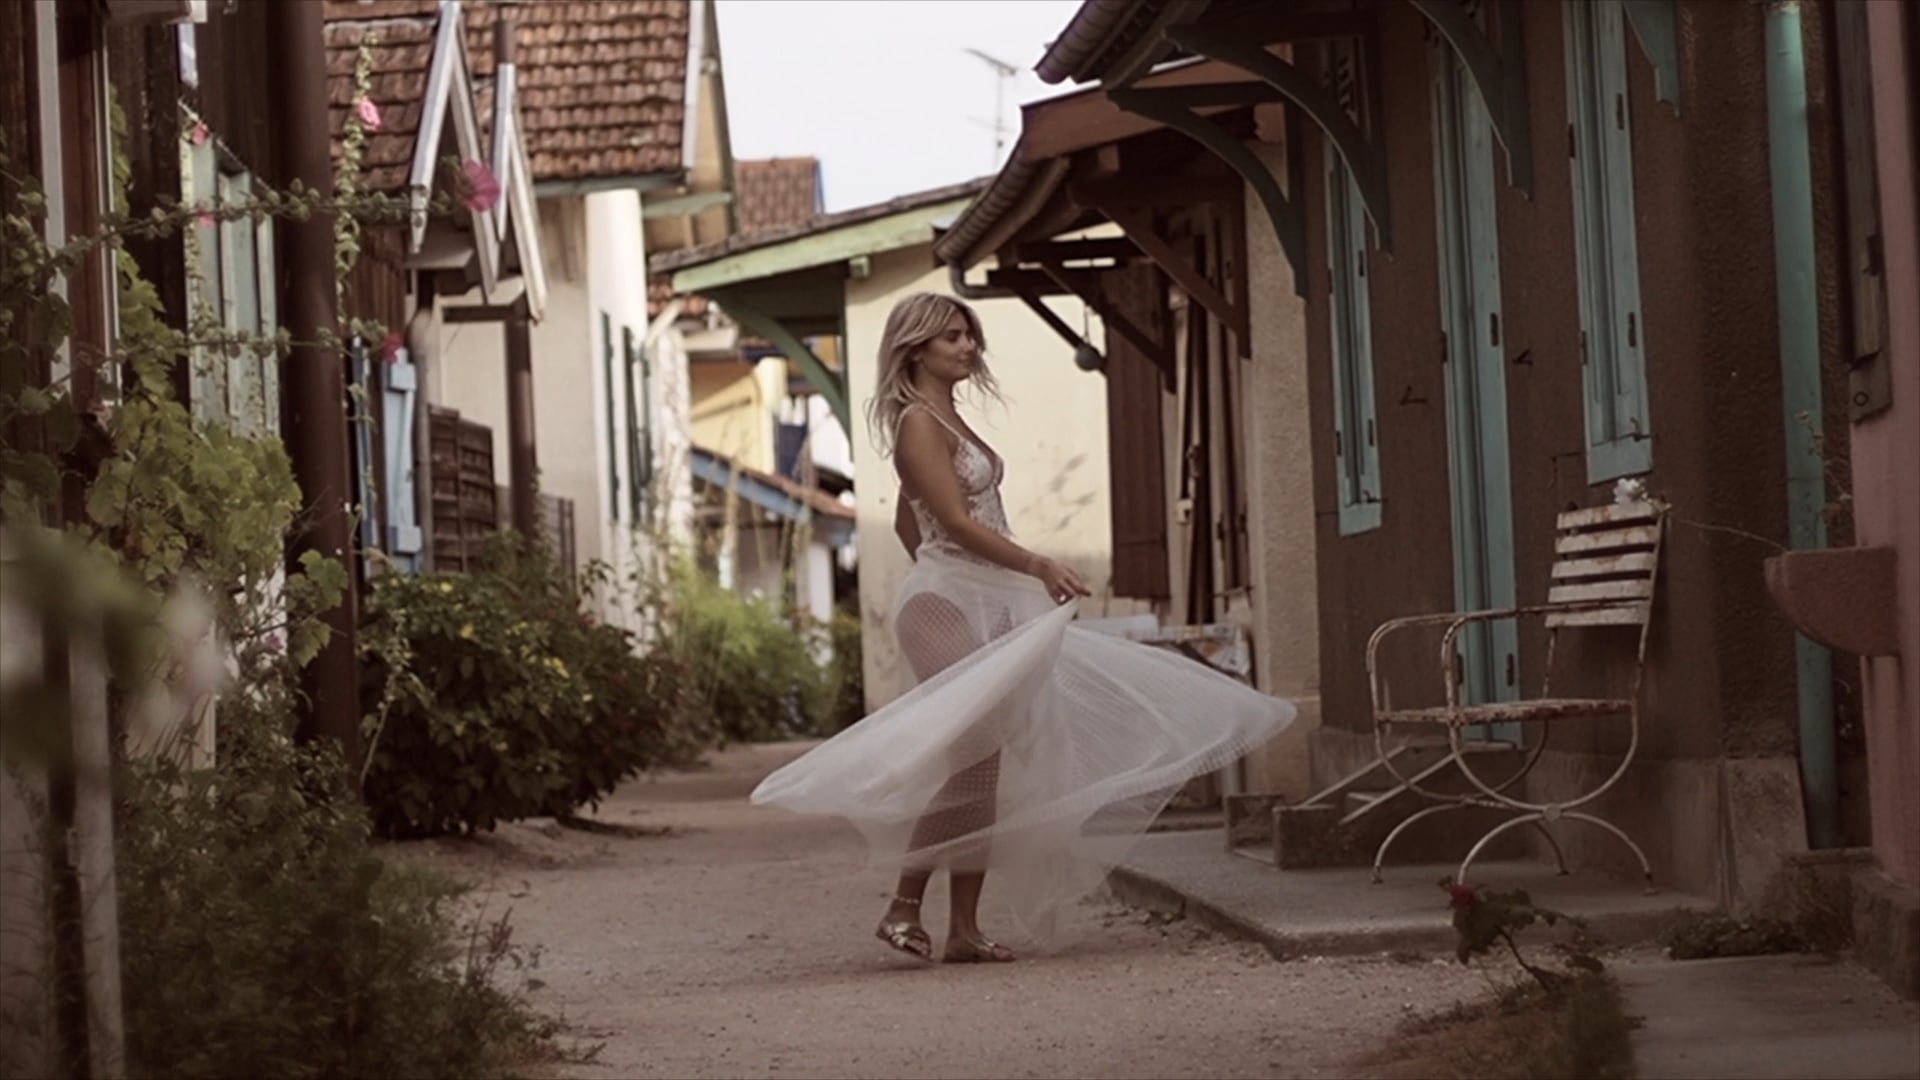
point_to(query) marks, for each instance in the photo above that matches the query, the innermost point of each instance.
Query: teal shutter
(1356, 446)
(637, 456)
(613, 451)
(1612, 332)
(404, 539)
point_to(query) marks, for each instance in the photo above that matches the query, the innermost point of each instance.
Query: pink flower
(1462, 896)
(369, 114)
(199, 134)
(483, 188)
(205, 218)
(390, 347)
(275, 643)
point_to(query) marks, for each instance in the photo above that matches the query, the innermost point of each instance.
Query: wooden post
(313, 405)
(522, 464)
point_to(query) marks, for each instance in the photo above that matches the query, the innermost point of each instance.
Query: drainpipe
(1790, 167)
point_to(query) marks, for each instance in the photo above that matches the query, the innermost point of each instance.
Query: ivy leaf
(63, 423)
(34, 472)
(34, 401)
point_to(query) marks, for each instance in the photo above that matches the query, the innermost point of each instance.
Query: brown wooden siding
(1721, 676)
(1135, 399)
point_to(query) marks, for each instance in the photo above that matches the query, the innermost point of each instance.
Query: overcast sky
(883, 92)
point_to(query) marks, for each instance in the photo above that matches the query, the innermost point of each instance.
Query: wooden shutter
(396, 431)
(1135, 450)
(465, 507)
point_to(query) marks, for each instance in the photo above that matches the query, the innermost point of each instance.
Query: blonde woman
(1029, 748)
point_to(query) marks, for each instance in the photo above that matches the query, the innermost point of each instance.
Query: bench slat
(1587, 592)
(1604, 566)
(1611, 514)
(1633, 536)
(1625, 615)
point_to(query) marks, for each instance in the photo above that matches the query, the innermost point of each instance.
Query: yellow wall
(733, 409)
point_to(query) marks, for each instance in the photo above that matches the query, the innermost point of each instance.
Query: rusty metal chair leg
(1559, 856)
(1646, 869)
(1380, 855)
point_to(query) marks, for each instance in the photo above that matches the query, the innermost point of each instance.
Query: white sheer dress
(1029, 748)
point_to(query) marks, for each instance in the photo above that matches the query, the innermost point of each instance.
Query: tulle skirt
(1030, 749)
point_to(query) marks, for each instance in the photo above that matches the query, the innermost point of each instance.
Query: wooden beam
(1285, 210)
(744, 309)
(892, 232)
(1090, 291)
(475, 313)
(1156, 191)
(1362, 154)
(1139, 228)
(1059, 251)
(523, 466)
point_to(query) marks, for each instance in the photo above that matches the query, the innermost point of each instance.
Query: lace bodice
(980, 472)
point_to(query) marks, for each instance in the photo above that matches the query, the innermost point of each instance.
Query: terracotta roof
(401, 34)
(660, 291)
(770, 192)
(669, 261)
(602, 86)
(602, 83)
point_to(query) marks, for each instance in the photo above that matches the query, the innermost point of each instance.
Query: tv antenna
(1003, 74)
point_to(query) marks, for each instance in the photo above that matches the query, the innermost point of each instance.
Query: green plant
(846, 697)
(750, 675)
(493, 697)
(261, 935)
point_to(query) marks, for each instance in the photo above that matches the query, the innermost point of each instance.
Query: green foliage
(846, 700)
(750, 675)
(492, 697)
(261, 935)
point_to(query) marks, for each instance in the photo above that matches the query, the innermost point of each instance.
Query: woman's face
(953, 354)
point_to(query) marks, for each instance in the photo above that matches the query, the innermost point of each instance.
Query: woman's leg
(933, 637)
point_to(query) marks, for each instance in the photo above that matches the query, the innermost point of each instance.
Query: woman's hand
(1059, 578)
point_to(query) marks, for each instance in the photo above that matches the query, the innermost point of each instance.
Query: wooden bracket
(1174, 107)
(1362, 154)
(1088, 288)
(1501, 80)
(1138, 225)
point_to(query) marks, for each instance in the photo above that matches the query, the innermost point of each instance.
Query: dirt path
(736, 942)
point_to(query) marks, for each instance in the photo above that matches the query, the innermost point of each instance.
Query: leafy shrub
(262, 936)
(492, 697)
(750, 675)
(846, 682)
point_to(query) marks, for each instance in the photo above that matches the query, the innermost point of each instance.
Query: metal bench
(1606, 563)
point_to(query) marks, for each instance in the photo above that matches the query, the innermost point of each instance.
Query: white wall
(1052, 433)
(596, 262)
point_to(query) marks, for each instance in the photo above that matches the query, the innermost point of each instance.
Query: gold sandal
(907, 937)
(975, 951)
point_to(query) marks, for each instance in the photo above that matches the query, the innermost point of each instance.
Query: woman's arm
(907, 529)
(924, 459)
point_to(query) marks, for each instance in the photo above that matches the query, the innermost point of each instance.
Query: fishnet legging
(934, 635)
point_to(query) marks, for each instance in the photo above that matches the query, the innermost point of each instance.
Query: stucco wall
(595, 263)
(1052, 433)
(1284, 617)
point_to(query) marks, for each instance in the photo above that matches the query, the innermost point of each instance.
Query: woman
(1029, 747)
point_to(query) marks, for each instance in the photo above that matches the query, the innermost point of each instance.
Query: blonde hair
(912, 323)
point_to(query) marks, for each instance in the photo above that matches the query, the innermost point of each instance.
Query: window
(613, 445)
(1356, 449)
(233, 284)
(639, 419)
(1612, 334)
